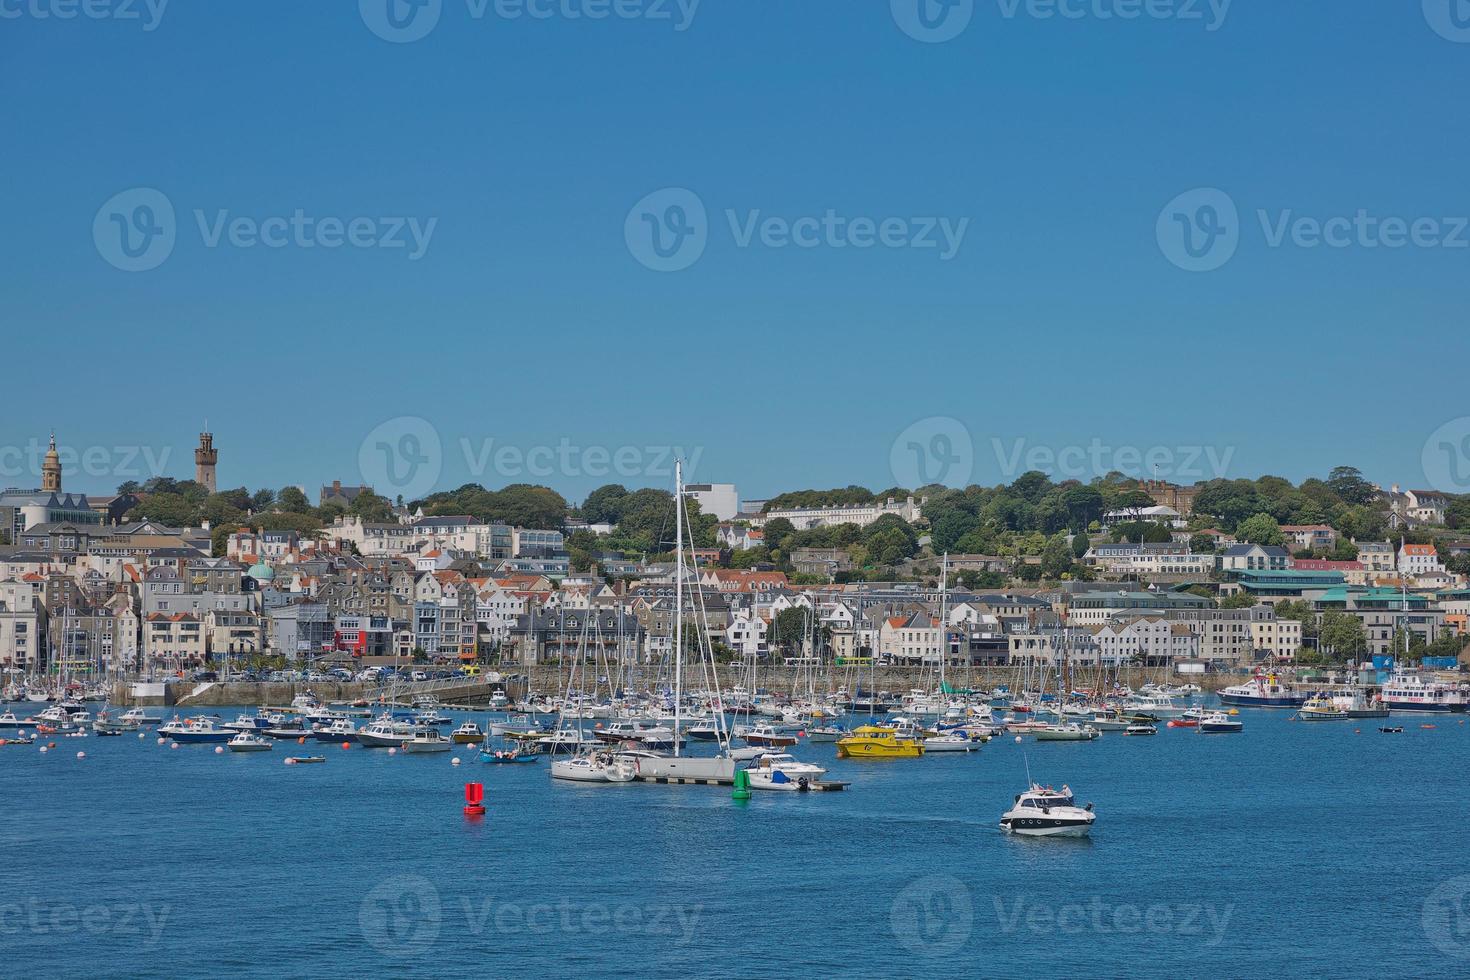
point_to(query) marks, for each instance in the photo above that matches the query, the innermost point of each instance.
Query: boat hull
(1262, 701)
(1046, 826)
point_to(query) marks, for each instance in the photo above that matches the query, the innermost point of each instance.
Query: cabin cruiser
(427, 739)
(386, 732)
(765, 735)
(141, 717)
(1414, 694)
(296, 728)
(194, 730)
(250, 723)
(1045, 812)
(1158, 705)
(8, 720)
(781, 771)
(1261, 691)
(105, 725)
(1219, 723)
(341, 730)
(249, 742)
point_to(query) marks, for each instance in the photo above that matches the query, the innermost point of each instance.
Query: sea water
(1291, 849)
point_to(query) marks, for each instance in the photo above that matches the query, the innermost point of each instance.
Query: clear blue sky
(528, 320)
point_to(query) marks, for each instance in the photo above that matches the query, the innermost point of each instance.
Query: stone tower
(51, 469)
(204, 459)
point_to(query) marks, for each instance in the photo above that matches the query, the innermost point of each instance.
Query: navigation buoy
(474, 798)
(742, 785)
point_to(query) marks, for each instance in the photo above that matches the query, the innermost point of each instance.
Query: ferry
(1261, 691)
(1412, 693)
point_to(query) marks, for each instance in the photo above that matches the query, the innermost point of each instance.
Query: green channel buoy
(742, 785)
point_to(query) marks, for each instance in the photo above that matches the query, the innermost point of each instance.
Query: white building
(805, 518)
(719, 499)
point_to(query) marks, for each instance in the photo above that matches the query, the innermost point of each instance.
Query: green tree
(1348, 483)
(292, 500)
(1056, 558)
(788, 629)
(604, 505)
(777, 531)
(1238, 600)
(370, 508)
(1340, 634)
(1260, 529)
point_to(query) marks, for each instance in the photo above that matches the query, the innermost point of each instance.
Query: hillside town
(177, 578)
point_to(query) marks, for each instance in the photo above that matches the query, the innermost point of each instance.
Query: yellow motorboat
(875, 742)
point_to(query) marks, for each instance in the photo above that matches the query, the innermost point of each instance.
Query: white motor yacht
(1045, 812)
(249, 742)
(427, 739)
(781, 771)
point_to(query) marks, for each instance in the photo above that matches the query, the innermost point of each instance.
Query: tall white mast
(678, 597)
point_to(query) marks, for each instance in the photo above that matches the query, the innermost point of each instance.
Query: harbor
(1183, 821)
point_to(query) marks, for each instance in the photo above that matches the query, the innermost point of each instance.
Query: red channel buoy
(474, 799)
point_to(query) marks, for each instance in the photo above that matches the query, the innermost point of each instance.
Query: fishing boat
(1069, 732)
(141, 717)
(1261, 691)
(426, 739)
(295, 728)
(8, 720)
(783, 772)
(195, 730)
(875, 742)
(340, 730)
(1045, 812)
(467, 734)
(1105, 722)
(249, 742)
(385, 732)
(1219, 723)
(1322, 709)
(104, 725)
(515, 724)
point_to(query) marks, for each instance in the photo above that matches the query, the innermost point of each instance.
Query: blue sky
(1060, 322)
